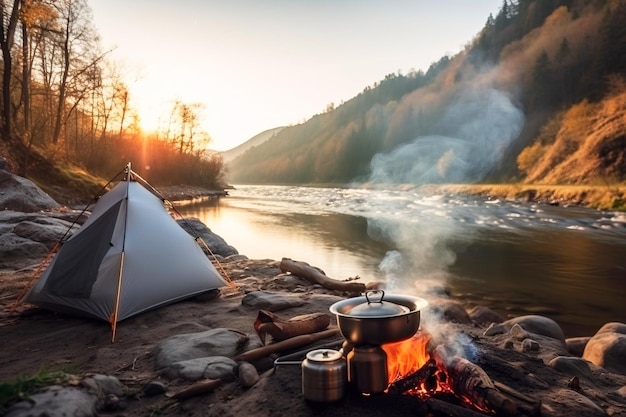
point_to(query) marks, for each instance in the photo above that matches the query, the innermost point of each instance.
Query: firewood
(471, 382)
(414, 379)
(314, 276)
(288, 344)
(281, 329)
(199, 388)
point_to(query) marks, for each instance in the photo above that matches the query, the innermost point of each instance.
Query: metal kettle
(324, 376)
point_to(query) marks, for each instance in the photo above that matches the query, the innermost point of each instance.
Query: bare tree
(79, 54)
(8, 26)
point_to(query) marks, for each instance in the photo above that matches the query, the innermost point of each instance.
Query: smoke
(475, 132)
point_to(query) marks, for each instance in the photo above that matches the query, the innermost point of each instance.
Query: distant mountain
(537, 96)
(264, 136)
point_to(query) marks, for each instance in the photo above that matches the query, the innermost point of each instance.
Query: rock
(56, 401)
(483, 315)
(214, 342)
(153, 388)
(571, 366)
(26, 238)
(607, 348)
(567, 402)
(531, 323)
(216, 243)
(20, 194)
(529, 345)
(290, 282)
(212, 367)
(18, 252)
(576, 345)
(449, 310)
(518, 333)
(271, 301)
(109, 385)
(248, 375)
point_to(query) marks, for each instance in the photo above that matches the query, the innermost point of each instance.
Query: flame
(407, 356)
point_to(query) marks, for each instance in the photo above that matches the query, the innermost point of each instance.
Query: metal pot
(324, 376)
(366, 320)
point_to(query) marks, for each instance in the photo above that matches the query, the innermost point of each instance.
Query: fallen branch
(288, 344)
(314, 276)
(281, 329)
(199, 388)
(471, 382)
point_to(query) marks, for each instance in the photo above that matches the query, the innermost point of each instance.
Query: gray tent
(128, 257)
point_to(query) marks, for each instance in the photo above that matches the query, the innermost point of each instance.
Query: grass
(23, 387)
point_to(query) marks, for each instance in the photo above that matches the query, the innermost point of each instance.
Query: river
(566, 263)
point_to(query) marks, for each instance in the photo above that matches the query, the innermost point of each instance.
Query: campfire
(452, 384)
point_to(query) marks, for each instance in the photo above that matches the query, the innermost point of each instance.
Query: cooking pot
(324, 375)
(372, 320)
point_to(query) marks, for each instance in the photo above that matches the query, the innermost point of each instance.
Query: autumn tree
(8, 26)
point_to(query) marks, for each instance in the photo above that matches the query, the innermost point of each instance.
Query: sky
(255, 65)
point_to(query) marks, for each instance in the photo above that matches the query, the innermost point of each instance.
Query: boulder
(531, 323)
(448, 310)
(571, 366)
(576, 345)
(212, 367)
(19, 194)
(214, 342)
(216, 243)
(607, 348)
(484, 315)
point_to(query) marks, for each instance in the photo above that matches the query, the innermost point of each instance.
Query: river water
(566, 263)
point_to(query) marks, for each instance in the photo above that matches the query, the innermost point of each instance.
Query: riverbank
(599, 197)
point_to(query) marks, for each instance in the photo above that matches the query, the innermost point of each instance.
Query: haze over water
(565, 263)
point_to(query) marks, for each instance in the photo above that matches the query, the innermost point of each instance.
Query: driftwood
(281, 329)
(471, 382)
(289, 344)
(199, 388)
(414, 379)
(314, 276)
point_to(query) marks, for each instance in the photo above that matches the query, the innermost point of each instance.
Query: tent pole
(117, 300)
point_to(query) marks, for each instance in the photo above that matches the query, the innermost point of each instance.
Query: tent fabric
(129, 239)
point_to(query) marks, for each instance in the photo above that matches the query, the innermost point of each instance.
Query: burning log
(288, 344)
(314, 276)
(414, 380)
(472, 383)
(281, 329)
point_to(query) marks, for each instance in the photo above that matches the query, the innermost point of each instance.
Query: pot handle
(382, 295)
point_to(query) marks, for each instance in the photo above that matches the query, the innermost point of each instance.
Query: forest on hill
(539, 95)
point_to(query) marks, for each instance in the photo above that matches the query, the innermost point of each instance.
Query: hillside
(536, 97)
(257, 140)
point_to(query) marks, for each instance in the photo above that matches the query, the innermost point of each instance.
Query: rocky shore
(194, 357)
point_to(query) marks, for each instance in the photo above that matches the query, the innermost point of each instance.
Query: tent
(130, 256)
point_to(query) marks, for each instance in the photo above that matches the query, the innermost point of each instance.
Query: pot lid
(378, 308)
(323, 355)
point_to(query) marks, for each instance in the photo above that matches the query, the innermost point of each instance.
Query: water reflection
(568, 264)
